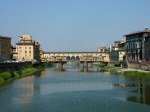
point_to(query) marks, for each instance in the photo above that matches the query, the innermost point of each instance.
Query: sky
(73, 25)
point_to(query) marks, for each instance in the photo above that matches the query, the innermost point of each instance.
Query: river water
(75, 91)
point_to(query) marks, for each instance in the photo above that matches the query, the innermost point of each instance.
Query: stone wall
(14, 66)
(139, 65)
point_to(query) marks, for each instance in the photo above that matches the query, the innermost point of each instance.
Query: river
(75, 91)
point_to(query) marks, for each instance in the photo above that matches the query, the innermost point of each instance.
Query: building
(5, 48)
(103, 49)
(118, 52)
(147, 48)
(41, 54)
(14, 53)
(135, 45)
(28, 49)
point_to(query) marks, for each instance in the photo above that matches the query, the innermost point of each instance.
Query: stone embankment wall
(139, 65)
(14, 66)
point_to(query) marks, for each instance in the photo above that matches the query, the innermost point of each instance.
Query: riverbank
(129, 72)
(6, 77)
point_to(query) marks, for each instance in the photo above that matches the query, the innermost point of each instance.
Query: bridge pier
(77, 64)
(85, 66)
(60, 66)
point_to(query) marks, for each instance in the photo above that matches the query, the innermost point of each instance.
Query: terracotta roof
(117, 41)
(103, 47)
(138, 32)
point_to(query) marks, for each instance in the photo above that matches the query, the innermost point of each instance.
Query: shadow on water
(141, 92)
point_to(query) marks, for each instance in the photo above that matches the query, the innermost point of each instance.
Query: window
(127, 46)
(25, 53)
(29, 47)
(30, 53)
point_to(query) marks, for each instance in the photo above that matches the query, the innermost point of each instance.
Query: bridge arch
(77, 58)
(73, 58)
(68, 58)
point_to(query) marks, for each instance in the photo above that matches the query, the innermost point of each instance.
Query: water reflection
(141, 92)
(52, 91)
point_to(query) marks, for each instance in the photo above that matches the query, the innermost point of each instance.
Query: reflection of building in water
(144, 96)
(143, 91)
(31, 89)
(106, 73)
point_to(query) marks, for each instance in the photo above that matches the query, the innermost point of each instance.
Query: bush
(117, 64)
(107, 67)
(99, 65)
(5, 75)
(16, 74)
(27, 71)
(1, 79)
(114, 71)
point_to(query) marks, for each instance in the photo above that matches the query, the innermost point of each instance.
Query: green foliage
(137, 73)
(114, 71)
(16, 74)
(107, 67)
(117, 64)
(5, 75)
(1, 79)
(27, 71)
(99, 65)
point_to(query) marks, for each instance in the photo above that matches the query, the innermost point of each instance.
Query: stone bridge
(73, 56)
(78, 57)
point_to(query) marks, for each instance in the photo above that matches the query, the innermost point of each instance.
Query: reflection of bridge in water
(78, 57)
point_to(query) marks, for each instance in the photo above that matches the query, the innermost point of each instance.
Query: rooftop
(3, 36)
(138, 32)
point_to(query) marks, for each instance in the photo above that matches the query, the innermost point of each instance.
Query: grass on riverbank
(99, 65)
(130, 72)
(137, 73)
(8, 76)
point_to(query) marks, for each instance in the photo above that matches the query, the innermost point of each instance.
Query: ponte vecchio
(78, 57)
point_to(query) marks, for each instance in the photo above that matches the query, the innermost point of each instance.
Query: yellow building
(27, 49)
(5, 48)
(103, 49)
(106, 57)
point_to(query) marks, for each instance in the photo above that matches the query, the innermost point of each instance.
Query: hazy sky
(73, 25)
